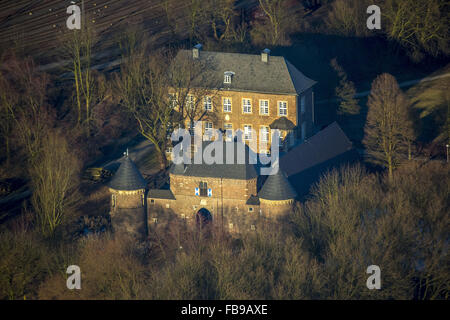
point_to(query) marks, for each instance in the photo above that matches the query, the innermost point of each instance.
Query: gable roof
(324, 145)
(277, 76)
(277, 187)
(234, 170)
(305, 163)
(128, 177)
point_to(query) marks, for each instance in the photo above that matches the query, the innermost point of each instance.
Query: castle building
(232, 192)
(128, 199)
(246, 94)
(250, 92)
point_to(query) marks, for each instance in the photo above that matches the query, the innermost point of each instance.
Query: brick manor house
(251, 92)
(259, 92)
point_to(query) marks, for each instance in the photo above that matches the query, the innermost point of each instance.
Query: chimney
(196, 51)
(265, 55)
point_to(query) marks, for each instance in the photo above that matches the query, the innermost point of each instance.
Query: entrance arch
(203, 217)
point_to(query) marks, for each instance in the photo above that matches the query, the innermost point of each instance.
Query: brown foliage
(388, 131)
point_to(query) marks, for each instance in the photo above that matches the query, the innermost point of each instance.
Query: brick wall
(221, 188)
(238, 118)
(127, 199)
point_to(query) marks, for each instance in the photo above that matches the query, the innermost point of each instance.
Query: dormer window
(228, 75)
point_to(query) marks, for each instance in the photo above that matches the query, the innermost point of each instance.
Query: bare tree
(25, 104)
(279, 20)
(388, 128)
(7, 102)
(195, 11)
(347, 17)
(142, 88)
(54, 175)
(89, 86)
(193, 89)
(419, 26)
(221, 14)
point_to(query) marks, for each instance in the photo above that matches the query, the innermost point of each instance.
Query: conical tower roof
(128, 177)
(277, 188)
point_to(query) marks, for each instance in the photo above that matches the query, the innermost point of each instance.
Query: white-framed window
(264, 107)
(246, 105)
(227, 76)
(207, 103)
(226, 104)
(228, 127)
(152, 201)
(302, 104)
(250, 209)
(155, 220)
(264, 134)
(253, 227)
(167, 206)
(230, 225)
(190, 102)
(247, 132)
(282, 108)
(208, 129)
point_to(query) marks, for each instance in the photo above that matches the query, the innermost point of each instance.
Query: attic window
(227, 77)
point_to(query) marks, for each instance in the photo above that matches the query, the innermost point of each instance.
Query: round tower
(277, 196)
(128, 198)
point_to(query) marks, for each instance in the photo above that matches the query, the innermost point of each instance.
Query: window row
(246, 105)
(263, 106)
(228, 128)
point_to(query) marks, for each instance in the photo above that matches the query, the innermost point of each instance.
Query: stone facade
(228, 203)
(237, 118)
(121, 199)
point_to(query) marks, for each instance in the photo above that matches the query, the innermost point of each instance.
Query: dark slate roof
(128, 177)
(161, 194)
(178, 168)
(253, 200)
(277, 187)
(233, 170)
(305, 163)
(282, 123)
(324, 145)
(278, 76)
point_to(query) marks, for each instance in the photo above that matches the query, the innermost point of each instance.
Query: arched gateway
(203, 217)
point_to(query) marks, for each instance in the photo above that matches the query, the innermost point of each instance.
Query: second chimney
(265, 55)
(196, 51)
